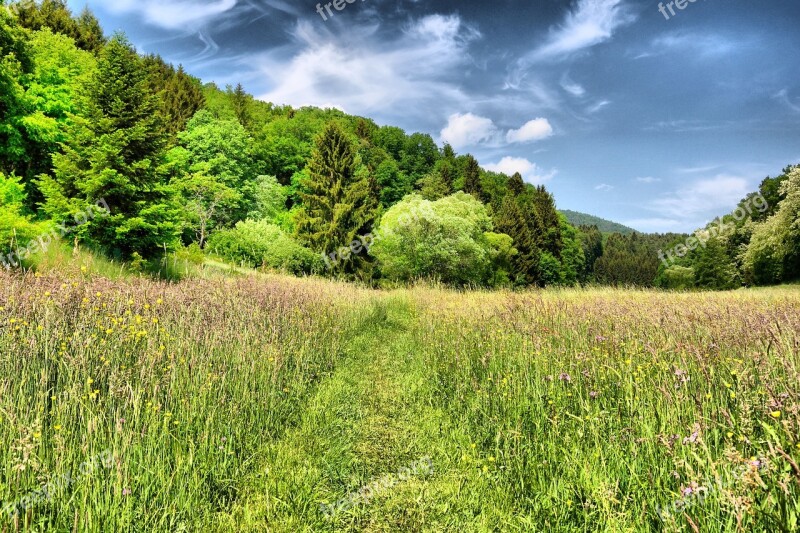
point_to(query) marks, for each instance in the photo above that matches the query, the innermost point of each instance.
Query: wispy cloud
(703, 198)
(365, 73)
(783, 97)
(180, 14)
(591, 22)
(605, 187)
(648, 179)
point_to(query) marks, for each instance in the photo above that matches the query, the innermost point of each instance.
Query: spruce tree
(114, 154)
(511, 220)
(338, 204)
(472, 178)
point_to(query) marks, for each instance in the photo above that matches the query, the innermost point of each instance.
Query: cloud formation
(535, 130)
(529, 170)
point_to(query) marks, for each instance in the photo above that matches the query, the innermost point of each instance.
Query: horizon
(683, 114)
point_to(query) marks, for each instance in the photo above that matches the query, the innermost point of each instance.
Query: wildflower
(565, 378)
(775, 414)
(687, 491)
(126, 492)
(594, 395)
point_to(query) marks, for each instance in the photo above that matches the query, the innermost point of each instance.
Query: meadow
(269, 403)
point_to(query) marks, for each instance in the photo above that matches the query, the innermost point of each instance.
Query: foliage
(115, 153)
(444, 240)
(16, 228)
(337, 203)
(773, 255)
(262, 243)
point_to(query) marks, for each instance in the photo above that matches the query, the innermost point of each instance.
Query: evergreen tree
(472, 178)
(15, 63)
(114, 154)
(511, 221)
(241, 105)
(337, 202)
(85, 30)
(516, 185)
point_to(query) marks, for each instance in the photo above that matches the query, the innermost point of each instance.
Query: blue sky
(660, 123)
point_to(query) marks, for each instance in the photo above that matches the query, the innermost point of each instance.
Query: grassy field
(277, 404)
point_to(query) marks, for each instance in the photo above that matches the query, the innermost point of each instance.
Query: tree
(241, 105)
(393, 184)
(115, 153)
(447, 240)
(472, 178)
(222, 150)
(85, 30)
(337, 204)
(269, 199)
(15, 63)
(511, 221)
(773, 255)
(592, 243)
(17, 229)
(204, 197)
(418, 157)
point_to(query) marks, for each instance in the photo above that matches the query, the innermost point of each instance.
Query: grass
(245, 404)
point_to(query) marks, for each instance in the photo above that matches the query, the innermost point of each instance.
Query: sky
(662, 119)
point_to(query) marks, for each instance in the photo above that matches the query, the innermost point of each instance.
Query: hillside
(605, 226)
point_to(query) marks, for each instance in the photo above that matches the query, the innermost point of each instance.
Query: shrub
(262, 243)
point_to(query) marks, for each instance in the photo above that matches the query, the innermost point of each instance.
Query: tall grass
(243, 404)
(182, 383)
(625, 411)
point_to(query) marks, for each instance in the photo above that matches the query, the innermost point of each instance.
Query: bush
(262, 243)
(448, 240)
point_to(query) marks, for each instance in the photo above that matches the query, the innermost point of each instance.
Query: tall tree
(337, 201)
(472, 178)
(241, 105)
(114, 153)
(15, 63)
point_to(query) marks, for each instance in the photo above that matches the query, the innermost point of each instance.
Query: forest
(187, 168)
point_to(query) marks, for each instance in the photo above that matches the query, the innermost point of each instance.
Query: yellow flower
(57, 427)
(775, 414)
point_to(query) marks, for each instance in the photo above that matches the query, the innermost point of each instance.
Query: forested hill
(605, 226)
(181, 166)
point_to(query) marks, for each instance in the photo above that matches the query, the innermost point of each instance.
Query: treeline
(192, 167)
(758, 243)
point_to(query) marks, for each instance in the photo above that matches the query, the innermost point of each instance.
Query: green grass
(245, 404)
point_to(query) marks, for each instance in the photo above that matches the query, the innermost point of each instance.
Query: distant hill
(605, 226)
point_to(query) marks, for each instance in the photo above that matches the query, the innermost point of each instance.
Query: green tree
(392, 182)
(773, 255)
(337, 204)
(241, 101)
(15, 63)
(447, 240)
(115, 153)
(85, 29)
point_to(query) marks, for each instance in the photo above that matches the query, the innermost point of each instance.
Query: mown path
(373, 417)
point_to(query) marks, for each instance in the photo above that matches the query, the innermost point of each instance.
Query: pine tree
(241, 105)
(472, 178)
(511, 220)
(516, 185)
(114, 154)
(338, 204)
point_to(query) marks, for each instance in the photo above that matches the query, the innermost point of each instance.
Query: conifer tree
(113, 154)
(472, 178)
(511, 220)
(338, 204)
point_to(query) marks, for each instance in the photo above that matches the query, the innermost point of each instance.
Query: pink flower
(126, 492)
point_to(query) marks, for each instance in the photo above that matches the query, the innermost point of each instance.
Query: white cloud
(591, 22)
(648, 179)
(597, 107)
(364, 74)
(529, 170)
(180, 14)
(605, 187)
(707, 197)
(468, 130)
(783, 97)
(572, 88)
(535, 130)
